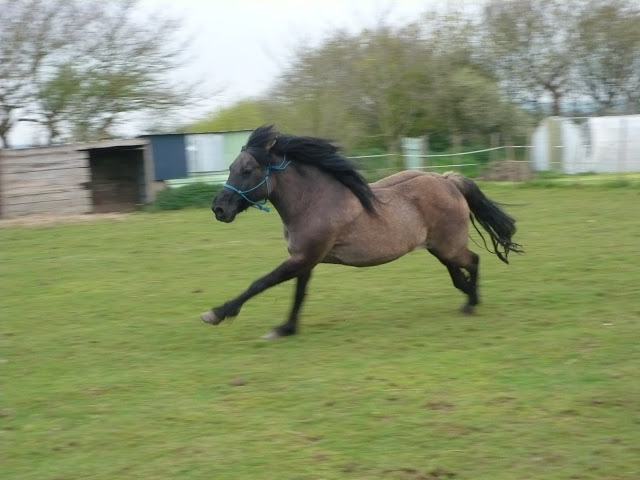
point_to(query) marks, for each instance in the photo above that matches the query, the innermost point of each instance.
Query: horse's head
(247, 185)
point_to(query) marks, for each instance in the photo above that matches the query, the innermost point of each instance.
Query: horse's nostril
(218, 211)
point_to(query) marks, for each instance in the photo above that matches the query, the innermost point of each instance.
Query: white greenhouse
(596, 144)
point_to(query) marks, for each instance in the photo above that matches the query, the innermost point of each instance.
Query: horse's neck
(300, 190)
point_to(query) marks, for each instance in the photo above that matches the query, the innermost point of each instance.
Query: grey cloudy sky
(240, 46)
(243, 44)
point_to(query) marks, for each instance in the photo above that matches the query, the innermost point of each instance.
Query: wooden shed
(111, 175)
(106, 176)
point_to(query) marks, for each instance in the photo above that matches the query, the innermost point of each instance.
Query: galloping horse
(331, 215)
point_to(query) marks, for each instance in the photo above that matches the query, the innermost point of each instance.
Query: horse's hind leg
(468, 283)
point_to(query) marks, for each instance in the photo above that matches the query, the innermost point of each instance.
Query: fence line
(428, 167)
(430, 155)
(450, 165)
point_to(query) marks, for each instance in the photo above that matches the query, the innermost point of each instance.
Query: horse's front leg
(292, 267)
(291, 325)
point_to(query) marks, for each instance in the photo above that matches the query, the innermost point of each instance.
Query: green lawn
(108, 372)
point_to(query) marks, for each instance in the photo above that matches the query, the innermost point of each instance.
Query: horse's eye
(245, 172)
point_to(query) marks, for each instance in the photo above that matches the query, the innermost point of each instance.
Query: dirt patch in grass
(413, 474)
(507, 171)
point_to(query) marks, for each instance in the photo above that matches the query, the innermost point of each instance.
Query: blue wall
(169, 156)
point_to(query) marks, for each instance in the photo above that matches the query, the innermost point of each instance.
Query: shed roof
(199, 133)
(121, 142)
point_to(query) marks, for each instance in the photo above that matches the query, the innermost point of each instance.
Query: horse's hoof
(467, 309)
(210, 317)
(273, 334)
(279, 331)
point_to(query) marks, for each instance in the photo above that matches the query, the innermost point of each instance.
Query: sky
(240, 46)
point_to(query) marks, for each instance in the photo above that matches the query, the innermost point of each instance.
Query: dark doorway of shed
(117, 179)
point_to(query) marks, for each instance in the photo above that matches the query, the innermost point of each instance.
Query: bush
(197, 195)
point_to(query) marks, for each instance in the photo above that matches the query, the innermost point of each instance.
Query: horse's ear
(270, 144)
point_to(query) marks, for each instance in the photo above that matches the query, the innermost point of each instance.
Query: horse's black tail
(500, 226)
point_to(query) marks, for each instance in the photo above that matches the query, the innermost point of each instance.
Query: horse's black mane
(314, 151)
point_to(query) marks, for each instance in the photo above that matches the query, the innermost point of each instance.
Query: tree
(369, 89)
(386, 83)
(310, 94)
(390, 80)
(528, 44)
(244, 114)
(80, 68)
(607, 59)
(356, 84)
(55, 96)
(31, 31)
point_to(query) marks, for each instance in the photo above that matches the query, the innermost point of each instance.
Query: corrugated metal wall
(233, 142)
(207, 156)
(213, 152)
(205, 152)
(178, 156)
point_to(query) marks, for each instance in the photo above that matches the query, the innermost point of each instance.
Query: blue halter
(260, 205)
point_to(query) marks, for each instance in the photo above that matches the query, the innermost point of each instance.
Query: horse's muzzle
(220, 209)
(218, 212)
(223, 215)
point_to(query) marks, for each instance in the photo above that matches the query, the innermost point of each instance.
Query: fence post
(493, 143)
(412, 149)
(622, 147)
(457, 147)
(425, 150)
(556, 153)
(509, 149)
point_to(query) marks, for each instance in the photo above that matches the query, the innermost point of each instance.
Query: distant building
(180, 159)
(111, 175)
(581, 145)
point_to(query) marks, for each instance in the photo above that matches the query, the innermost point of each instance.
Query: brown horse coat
(331, 215)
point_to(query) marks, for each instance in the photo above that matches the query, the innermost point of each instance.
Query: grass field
(108, 373)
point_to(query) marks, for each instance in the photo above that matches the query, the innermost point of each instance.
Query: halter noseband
(257, 204)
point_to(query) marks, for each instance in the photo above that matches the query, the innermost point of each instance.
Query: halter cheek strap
(260, 205)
